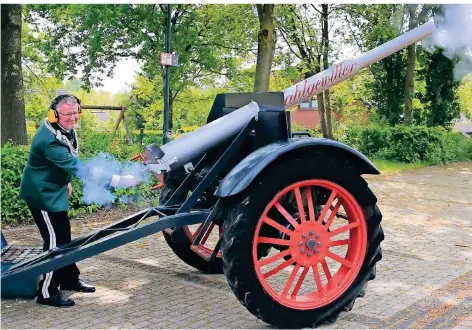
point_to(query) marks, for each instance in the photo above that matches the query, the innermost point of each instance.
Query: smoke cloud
(96, 174)
(454, 35)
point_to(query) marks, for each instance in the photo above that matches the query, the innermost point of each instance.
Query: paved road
(423, 281)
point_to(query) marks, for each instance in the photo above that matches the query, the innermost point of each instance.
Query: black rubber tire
(245, 210)
(179, 242)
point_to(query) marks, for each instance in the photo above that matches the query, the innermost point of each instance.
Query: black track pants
(55, 231)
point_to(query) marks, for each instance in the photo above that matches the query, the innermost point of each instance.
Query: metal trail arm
(115, 235)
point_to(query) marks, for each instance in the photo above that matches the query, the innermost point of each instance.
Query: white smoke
(454, 34)
(96, 187)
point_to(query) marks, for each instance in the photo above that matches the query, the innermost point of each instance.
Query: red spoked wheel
(180, 240)
(301, 242)
(313, 241)
(208, 242)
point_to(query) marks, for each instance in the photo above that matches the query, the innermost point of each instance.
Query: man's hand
(124, 181)
(69, 190)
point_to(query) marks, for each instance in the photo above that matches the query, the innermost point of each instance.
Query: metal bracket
(188, 167)
(207, 223)
(184, 185)
(215, 251)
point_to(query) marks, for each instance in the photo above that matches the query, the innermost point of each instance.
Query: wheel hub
(311, 243)
(308, 242)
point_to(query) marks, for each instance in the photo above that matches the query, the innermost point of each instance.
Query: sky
(124, 74)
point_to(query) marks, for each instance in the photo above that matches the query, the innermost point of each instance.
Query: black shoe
(80, 286)
(56, 301)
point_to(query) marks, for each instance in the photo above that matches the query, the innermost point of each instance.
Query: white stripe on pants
(52, 244)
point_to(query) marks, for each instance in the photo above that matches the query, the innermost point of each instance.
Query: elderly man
(46, 188)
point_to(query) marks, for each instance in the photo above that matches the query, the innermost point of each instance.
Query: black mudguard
(244, 173)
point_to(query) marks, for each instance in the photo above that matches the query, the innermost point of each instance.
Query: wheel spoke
(279, 268)
(270, 240)
(266, 261)
(300, 281)
(290, 280)
(197, 231)
(277, 225)
(339, 259)
(340, 215)
(326, 269)
(301, 210)
(309, 198)
(327, 205)
(333, 214)
(286, 215)
(317, 278)
(344, 228)
(339, 242)
(207, 234)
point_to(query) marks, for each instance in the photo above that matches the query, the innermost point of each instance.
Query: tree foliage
(94, 37)
(60, 41)
(464, 94)
(372, 26)
(440, 99)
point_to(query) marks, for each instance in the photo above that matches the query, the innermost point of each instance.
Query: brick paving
(423, 281)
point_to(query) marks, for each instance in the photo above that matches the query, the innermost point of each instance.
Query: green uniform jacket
(47, 172)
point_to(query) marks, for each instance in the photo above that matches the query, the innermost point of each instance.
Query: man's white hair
(69, 100)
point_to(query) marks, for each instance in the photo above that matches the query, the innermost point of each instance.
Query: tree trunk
(410, 69)
(328, 112)
(325, 44)
(265, 47)
(321, 106)
(13, 105)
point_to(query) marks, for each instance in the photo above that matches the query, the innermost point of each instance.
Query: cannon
(289, 220)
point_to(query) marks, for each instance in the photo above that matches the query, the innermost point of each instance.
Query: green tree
(267, 39)
(13, 105)
(440, 99)
(145, 100)
(417, 15)
(300, 29)
(464, 94)
(351, 97)
(38, 95)
(95, 37)
(371, 26)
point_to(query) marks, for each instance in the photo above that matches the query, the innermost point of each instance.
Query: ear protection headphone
(53, 115)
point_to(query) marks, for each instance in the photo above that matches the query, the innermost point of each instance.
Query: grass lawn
(385, 166)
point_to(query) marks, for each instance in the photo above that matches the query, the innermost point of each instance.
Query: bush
(409, 144)
(13, 161)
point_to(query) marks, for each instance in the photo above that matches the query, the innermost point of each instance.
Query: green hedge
(409, 144)
(13, 160)
(14, 209)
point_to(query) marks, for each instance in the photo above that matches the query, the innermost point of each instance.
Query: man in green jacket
(46, 188)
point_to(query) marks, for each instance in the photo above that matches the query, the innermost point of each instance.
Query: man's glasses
(70, 114)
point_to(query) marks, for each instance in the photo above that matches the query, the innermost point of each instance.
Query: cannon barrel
(337, 73)
(180, 151)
